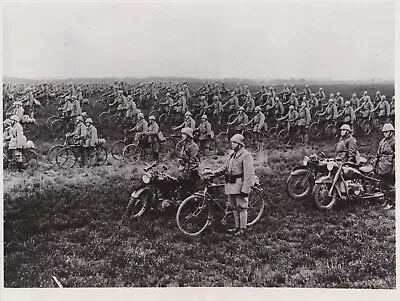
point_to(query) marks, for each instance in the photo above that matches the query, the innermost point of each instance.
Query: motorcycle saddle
(366, 169)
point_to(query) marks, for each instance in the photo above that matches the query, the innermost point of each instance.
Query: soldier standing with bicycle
(239, 177)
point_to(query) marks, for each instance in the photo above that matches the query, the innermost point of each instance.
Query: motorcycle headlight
(330, 165)
(256, 180)
(305, 160)
(146, 178)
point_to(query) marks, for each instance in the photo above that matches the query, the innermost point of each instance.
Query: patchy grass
(66, 223)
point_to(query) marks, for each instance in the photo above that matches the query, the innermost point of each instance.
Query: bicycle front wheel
(256, 206)
(194, 215)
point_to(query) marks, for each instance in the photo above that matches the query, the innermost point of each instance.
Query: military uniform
(239, 174)
(346, 149)
(189, 162)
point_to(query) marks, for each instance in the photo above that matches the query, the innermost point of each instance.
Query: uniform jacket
(18, 140)
(385, 156)
(190, 158)
(346, 149)
(91, 136)
(304, 116)
(153, 128)
(204, 130)
(141, 126)
(240, 120)
(239, 163)
(384, 108)
(259, 121)
(349, 114)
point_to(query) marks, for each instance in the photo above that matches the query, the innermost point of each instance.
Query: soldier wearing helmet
(232, 103)
(259, 123)
(152, 133)
(292, 116)
(306, 92)
(205, 134)
(269, 105)
(304, 121)
(346, 148)
(187, 123)
(249, 104)
(366, 106)
(321, 96)
(354, 101)
(189, 163)
(348, 114)
(293, 101)
(331, 111)
(392, 110)
(385, 164)
(285, 92)
(203, 105)
(218, 109)
(240, 121)
(122, 102)
(16, 140)
(140, 128)
(77, 109)
(339, 101)
(132, 110)
(383, 108)
(181, 104)
(239, 177)
(18, 110)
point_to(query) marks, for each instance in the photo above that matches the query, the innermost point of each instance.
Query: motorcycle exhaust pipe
(373, 196)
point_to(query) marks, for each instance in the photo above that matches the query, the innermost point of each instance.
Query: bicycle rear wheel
(117, 150)
(256, 206)
(104, 118)
(131, 153)
(98, 156)
(194, 215)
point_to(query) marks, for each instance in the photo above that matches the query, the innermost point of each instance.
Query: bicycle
(53, 151)
(29, 159)
(69, 155)
(117, 148)
(196, 213)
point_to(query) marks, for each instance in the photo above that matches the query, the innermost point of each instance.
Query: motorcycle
(300, 182)
(345, 181)
(158, 191)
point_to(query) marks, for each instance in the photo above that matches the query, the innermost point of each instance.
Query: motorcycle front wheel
(137, 206)
(299, 185)
(321, 196)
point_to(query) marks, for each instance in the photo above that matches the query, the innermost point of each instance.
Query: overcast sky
(342, 41)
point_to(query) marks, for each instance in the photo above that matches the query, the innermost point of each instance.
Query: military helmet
(89, 120)
(152, 117)
(14, 117)
(345, 127)
(387, 127)
(79, 118)
(188, 113)
(204, 117)
(188, 132)
(238, 138)
(140, 115)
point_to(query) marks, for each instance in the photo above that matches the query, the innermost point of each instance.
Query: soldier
(321, 96)
(152, 134)
(291, 117)
(187, 123)
(18, 110)
(17, 140)
(339, 101)
(189, 163)
(239, 176)
(384, 109)
(279, 109)
(259, 122)
(77, 110)
(241, 120)
(354, 101)
(330, 111)
(349, 116)
(392, 110)
(249, 104)
(140, 128)
(366, 106)
(304, 121)
(384, 164)
(233, 102)
(79, 135)
(90, 138)
(205, 134)
(346, 149)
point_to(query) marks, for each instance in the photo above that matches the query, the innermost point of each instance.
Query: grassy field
(66, 223)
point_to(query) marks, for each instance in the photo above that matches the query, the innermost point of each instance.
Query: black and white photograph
(199, 144)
